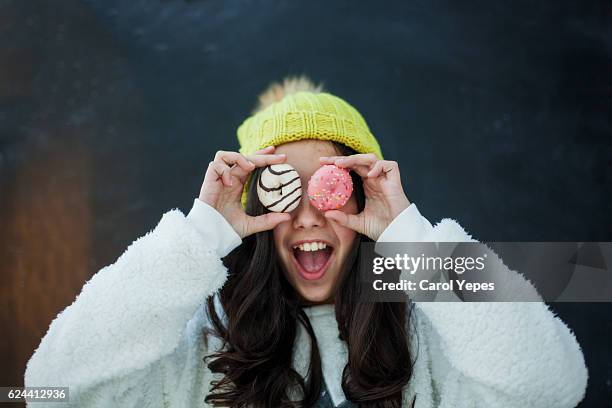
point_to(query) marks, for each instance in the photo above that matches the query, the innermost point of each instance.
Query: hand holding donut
(385, 197)
(223, 185)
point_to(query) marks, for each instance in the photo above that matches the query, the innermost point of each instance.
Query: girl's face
(312, 273)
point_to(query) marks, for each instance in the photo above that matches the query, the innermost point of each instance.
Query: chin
(315, 295)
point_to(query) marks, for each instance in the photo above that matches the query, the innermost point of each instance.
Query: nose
(307, 216)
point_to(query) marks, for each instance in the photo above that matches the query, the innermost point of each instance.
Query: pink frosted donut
(330, 187)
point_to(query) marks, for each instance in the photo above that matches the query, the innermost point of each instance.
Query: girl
(218, 308)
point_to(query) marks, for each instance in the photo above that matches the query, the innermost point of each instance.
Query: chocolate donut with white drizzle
(279, 188)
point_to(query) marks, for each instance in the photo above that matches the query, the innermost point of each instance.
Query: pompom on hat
(306, 115)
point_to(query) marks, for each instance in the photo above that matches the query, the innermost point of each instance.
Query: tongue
(312, 261)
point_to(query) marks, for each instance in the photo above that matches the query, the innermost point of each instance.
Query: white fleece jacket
(132, 337)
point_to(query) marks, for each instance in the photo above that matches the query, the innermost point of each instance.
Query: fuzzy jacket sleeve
(134, 313)
(493, 354)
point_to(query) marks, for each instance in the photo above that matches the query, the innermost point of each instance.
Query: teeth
(310, 246)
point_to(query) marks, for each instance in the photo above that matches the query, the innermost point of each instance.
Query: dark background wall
(499, 113)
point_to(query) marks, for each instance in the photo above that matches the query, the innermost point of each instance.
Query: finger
(360, 163)
(238, 165)
(367, 159)
(376, 170)
(262, 160)
(360, 169)
(242, 169)
(234, 158)
(265, 222)
(226, 176)
(265, 150)
(220, 171)
(384, 167)
(352, 221)
(330, 159)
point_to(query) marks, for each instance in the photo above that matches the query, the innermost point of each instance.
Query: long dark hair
(261, 314)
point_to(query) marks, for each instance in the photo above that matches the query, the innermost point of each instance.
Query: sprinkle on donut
(330, 187)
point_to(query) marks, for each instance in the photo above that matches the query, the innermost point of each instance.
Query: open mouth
(312, 258)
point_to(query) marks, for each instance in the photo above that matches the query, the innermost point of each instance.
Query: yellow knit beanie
(306, 115)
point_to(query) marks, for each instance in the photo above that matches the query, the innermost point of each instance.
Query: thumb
(352, 221)
(265, 222)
